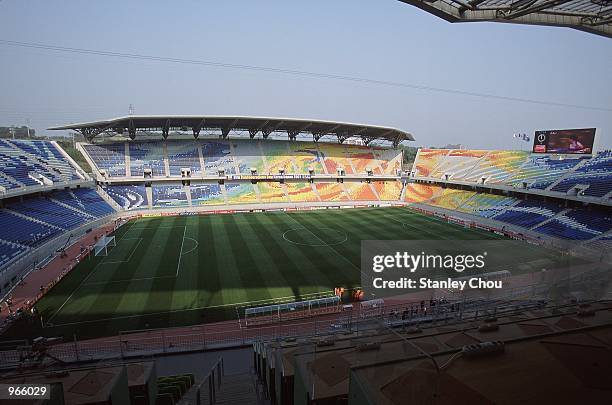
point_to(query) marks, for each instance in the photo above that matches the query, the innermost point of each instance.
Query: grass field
(170, 271)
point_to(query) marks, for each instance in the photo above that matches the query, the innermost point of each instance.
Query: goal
(103, 245)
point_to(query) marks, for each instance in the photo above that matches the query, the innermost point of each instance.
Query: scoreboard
(565, 141)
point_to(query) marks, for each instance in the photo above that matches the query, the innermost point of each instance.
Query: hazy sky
(376, 39)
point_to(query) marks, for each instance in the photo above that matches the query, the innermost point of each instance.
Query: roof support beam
(166, 129)
(535, 9)
(333, 129)
(268, 130)
(316, 136)
(343, 136)
(132, 129)
(197, 128)
(226, 130)
(293, 134)
(367, 139)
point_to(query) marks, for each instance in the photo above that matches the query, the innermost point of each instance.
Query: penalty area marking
(129, 257)
(85, 279)
(193, 248)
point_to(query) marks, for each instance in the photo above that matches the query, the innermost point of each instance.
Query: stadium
(202, 259)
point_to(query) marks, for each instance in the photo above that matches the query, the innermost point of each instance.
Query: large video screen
(567, 141)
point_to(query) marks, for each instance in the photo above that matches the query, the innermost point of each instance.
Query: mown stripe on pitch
(327, 258)
(208, 277)
(264, 248)
(295, 267)
(161, 290)
(109, 300)
(437, 229)
(248, 269)
(226, 265)
(90, 301)
(185, 293)
(52, 301)
(326, 269)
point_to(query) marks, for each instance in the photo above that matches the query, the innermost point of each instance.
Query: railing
(202, 337)
(207, 388)
(22, 190)
(25, 262)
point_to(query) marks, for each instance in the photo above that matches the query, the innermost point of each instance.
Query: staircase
(238, 389)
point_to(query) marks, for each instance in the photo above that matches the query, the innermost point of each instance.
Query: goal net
(103, 245)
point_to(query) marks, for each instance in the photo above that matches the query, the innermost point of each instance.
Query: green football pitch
(183, 270)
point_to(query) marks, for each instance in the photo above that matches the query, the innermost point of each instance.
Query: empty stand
(169, 195)
(33, 163)
(206, 194)
(241, 193)
(271, 192)
(595, 173)
(128, 196)
(30, 222)
(388, 190)
(528, 214)
(147, 155)
(109, 157)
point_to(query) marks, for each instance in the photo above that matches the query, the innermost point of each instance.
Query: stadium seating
(110, 157)
(147, 155)
(437, 196)
(306, 156)
(183, 155)
(206, 194)
(427, 160)
(271, 192)
(9, 251)
(578, 224)
(451, 199)
(487, 205)
(217, 157)
(168, 195)
(515, 168)
(25, 231)
(539, 172)
(456, 163)
(360, 192)
(242, 193)
(331, 192)
(596, 173)
(239, 156)
(388, 190)
(85, 199)
(496, 166)
(30, 222)
(540, 216)
(301, 192)
(334, 158)
(33, 163)
(419, 193)
(128, 197)
(278, 157)
(247, 156)
(528, 214)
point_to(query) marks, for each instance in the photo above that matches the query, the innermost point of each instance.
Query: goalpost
(102, 246)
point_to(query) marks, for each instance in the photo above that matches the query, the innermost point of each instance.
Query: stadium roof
(594, 16)
(227, 124)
